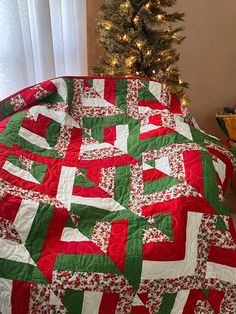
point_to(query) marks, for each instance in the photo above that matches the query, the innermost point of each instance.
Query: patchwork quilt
(111, 201)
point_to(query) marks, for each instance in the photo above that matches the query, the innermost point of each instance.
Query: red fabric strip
(109, 303)
(175, 105)
(191, 303)
(83, 247)
(73, 149)
(51, 178)
(215, 298)
(193, 170)
(20, 297)
(152, 174)
(94, 174)
(117, 243)
(155, 119)
(38, 127)
(193, 204)
(110, 134)
(9, 206)
(139, 310)
(110, 91)
(153, 104)
(50, 247)
(158, 132)
(222, 256)
(108, 162)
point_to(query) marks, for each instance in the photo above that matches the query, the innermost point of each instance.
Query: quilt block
(111, 201)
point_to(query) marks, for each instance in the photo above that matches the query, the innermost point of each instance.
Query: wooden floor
(230, 199)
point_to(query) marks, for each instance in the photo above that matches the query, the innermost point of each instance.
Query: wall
(208, 55)
(93, 49)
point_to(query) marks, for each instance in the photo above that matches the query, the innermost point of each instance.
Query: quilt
(112, 201)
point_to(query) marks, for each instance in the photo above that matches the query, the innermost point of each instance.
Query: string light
(124, 6)
(180, 82)
(129, 61)
(147, 5)
(139, 44)
(148, 53)
(153, 71)
(159, 17)
(136, 19)
(114, 62)
(137, 72)
(107, 25)
(184, 101)
(125, 37)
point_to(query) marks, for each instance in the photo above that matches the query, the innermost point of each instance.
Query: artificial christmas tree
(139, 40)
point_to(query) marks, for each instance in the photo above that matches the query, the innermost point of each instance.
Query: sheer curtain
(41, 39)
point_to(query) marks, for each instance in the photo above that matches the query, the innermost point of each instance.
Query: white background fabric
(41, 39)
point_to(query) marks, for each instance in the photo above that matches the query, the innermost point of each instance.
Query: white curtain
(41, 39)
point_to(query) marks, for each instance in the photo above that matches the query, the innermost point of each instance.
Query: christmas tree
(140, 39)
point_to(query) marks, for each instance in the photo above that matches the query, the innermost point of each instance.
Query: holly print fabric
(111, 201)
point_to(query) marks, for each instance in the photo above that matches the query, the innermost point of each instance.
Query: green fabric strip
(220, 224)
(70, 91)
(98, 133)
(160, 185)
(53, 132)
(6, 110)
(121, 95)
(105, 122)
(38, 171)
(38, 231)
(133, 260)
(73, 301)
(52, 99)
(167, 303)
(146, 95)
(164, 224)
(122, 185)
(83, 181)
(10, 134)
(96, 263)
(21, 271)
(211, 186)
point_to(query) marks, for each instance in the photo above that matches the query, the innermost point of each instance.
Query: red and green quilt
(111, 201)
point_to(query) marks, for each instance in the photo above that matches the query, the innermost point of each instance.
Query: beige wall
(93, 49)
(208, 55)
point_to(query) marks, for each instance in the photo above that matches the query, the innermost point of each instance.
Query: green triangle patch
(220, 224)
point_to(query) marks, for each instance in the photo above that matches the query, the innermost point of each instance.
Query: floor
(230, 199)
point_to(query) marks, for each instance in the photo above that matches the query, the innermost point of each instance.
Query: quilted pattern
(112, 202)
